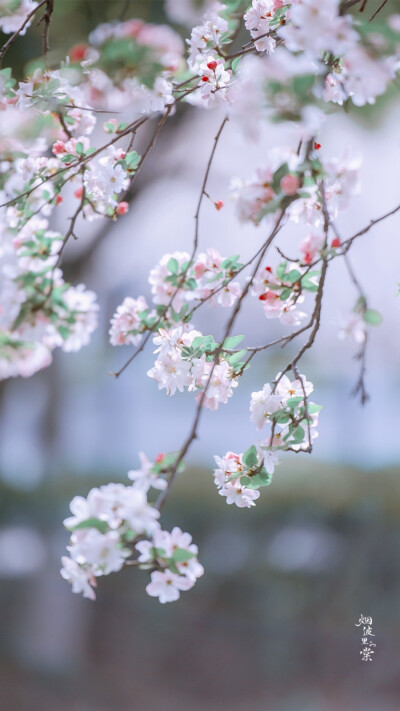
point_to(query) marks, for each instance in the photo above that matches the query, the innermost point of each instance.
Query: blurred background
(271, 625)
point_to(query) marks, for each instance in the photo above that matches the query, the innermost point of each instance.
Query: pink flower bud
(77, 53)
(199, 270)
(218, 204)
(58, 147)
(122, 208)
(110, 126)
(290, 184)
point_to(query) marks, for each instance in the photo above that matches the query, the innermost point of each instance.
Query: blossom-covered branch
(298, 64)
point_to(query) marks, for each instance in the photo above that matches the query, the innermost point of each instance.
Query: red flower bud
(218, 204)
(335, 243)
(204, 79)
(317, 146)
(77, 53)
(122, 208)
(212, 65)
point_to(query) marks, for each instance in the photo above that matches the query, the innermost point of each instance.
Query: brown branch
(16, 34)
(78, 163)
(348, 242)
(46, 19)
(359, 387)
(381, 6)
(204, 185)
(347, 5)
(193, 431)
(184, 273)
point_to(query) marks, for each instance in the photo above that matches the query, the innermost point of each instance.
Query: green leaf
(285, 294)
(183, 311)
(236, 359)
(173, 265)
(180, 555)
(172, 566)
(191, 284)
(235, 64)
(232, 341)
(271, 206)
(230, 262)
(294, 402)
(101, 526)
(298, 434)
(281, 270)
(256, 481)
(372, 317)
(303, 84)
(175, 316)
(158, 552)
(132, 159)
(204, 343)
(280, 416)
(313, 408)
(308, 282)
(63, 331)
(293, 276)
(278, 175)
(250, 458)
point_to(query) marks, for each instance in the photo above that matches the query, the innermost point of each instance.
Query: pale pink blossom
(310, 247)
(167, 585)
(290, 184)
(126, 325)
(81, 579)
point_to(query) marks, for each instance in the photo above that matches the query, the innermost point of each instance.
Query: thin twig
(381, 6)
(16, 34)
(193, 430)
(195, 243)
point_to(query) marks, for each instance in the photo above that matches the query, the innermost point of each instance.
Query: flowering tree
(301, 62)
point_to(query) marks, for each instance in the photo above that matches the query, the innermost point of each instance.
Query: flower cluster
(175, 558)
(115, 520)
(129, 64)
(262, 19)
(285, 407)
(128, 323)
(175, 283)
(295, 185)
(187, 359)
(282, 291)
(302, 60)
(208, 277)
(14, 13)
(239, 477)
(206, 60)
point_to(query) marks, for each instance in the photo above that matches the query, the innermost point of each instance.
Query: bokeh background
(271, 626)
